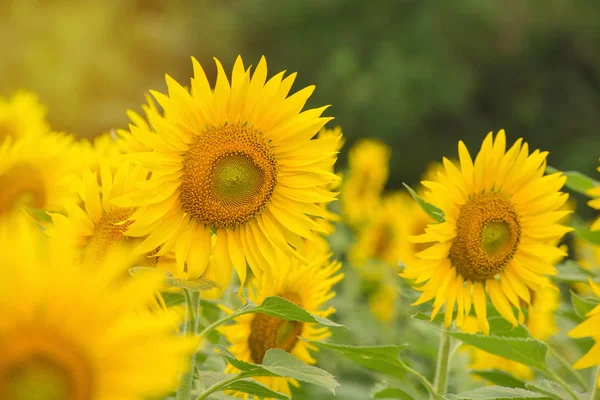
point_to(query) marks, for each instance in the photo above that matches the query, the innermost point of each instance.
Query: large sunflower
(499, 234)
(22, 116)
(80, 332)
(241, 161)
(368, 172)
(36, 173)
(309, 286)
(590, 328)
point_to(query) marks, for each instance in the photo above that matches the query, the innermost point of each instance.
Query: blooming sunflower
(240, 161)
(309, 286)
(79, 331)
(590, 328)
(337, 142)
(22, 116)
(499, 234)
(126, 139)
(368, 172)
(35, 172)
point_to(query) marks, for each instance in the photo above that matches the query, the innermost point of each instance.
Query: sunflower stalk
(190, 328)
(440, 381)
(220, 385)
(565, 363)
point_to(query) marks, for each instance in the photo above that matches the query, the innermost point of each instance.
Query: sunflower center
(108, 233)
(487, 237)
(22, 184)
(229, 174)
(268, 332)
(35, 367)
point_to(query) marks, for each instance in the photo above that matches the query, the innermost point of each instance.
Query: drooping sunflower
(590, 328)
(240, 161)
(36, 172)
(499, 235)
(309, 286)
(79, 331)
(22, 116)
(368, 172)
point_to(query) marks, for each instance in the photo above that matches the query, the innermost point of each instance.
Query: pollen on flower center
(21, 184)
(109, 232)
(487, 237)
(37, 367)
(229, 174)
(268, 332)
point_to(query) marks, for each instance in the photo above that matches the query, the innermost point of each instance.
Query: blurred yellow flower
(336, 137)
(541, 320)
(307, 285)
(22, 116)
(36, 172)
(383, 302)
(368, 172)
(241, 162)
(590, 328)
(102, 149)
(75, 332)
(595, 203)
(499, 234)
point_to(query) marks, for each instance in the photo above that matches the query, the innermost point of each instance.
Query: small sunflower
(499, 234)
(36, 173)
(309, 286)
(96, 227)
(22, 116)
(590, 328)
(240, 161)
(75, 332)
(381, 238)
(368, 172)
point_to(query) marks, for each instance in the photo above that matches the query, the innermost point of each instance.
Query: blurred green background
(418, 74)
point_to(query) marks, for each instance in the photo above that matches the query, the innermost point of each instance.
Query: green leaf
(550, 389)
(496, 392)
(569, 271)
(582, 306)
(499, 326)
(38, 214)
(282, 308)
(430, 209)
(391, 393)
(577, 181)
(500, 378)
(173, 299)
(531, 352)
(439, 318)
(382, 359)
(592, 237)
(280, 363)
(256, 389)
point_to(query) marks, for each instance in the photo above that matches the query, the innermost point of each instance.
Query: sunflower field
(311, 200)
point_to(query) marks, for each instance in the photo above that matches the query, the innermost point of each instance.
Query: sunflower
(336, 137)
(102, 149)
(22, 116)
(381, 238)
(383, 302)
(595, 203)
(240, 161)
(36, 173)
(87, 334)
(126, 139)
(309, 286)
(368, 172)
(590, 328)
(499, 234)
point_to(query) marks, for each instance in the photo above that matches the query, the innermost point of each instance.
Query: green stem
(190, 328)
(421, 378)
(218, 386)
(241, 311)
(440, 381)
(561, 382)
(565, 363)
(595, 391)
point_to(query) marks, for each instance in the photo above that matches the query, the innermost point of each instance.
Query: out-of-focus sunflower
(541, 320)
(241, 162)
(309, 286)
(482, 360)
(22, 116)
(76, 333)
(595, 203)
(336, 137)
(383, 302)
(499, 234)
(588, 256)
(381, 238)
(368, 172)
(126, 139)
(590, 327)
(36, 173)
(102, 149)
